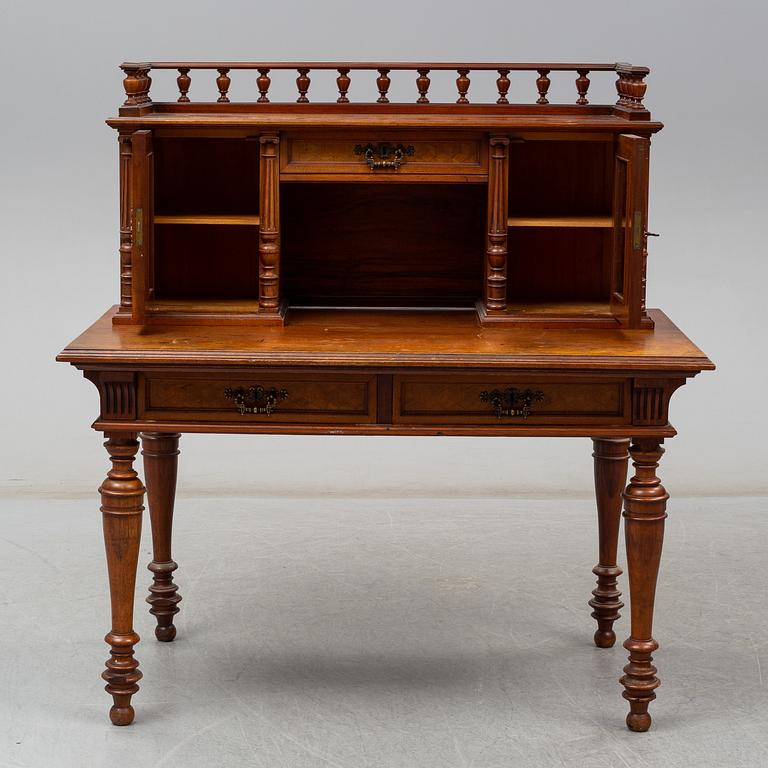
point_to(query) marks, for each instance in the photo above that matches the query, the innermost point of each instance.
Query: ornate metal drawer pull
(389, 156)
(263, 401)
(511, 401)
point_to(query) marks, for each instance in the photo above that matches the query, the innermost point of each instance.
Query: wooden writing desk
(424, 269)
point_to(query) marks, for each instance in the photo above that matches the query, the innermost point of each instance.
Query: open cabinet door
(142, 210)
(630, 221)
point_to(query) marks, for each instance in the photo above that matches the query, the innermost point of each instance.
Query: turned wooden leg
(122, 496)
(611, 460)
(160, 452)
(645, 502)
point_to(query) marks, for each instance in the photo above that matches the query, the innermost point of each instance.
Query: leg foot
(645, 502)
(160, 452)
(122, 496)
(611, 460)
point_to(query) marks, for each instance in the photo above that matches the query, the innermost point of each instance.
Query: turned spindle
(263, 82)
(302, 83)
(422, 85)
(383, 82)
(183, 81)
(582, 86)
(611, 459)
(462, 84)
(342, 83)
(502, 84)
(222, 83)
(122, 496)
(160, 452)
(542, 85)
(645, 501)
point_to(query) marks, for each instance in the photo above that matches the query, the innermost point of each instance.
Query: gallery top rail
(630, 83)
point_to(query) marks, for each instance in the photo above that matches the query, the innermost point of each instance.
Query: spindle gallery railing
(630, 84)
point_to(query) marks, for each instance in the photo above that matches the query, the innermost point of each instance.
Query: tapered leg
(160, 452)
(611, 460)
(645, 502)
(122, 497)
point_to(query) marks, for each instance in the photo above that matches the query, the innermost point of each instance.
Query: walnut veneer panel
(310, 398)
(334, 154)
(456, 399)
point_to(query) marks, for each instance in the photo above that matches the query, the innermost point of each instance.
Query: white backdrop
(58, 226)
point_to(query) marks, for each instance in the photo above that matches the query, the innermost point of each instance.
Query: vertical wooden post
(611, 460)
(126, 229)
(495, 299)
(645, 502)
(269, 227)
(122, 497)
(161, 453)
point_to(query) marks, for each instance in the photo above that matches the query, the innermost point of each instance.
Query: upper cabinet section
(424, 94)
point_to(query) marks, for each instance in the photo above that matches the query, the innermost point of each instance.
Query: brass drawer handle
(511, 401)
(263, 401)
(389, 156)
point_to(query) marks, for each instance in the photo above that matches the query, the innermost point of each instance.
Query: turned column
(611, 460)
(160, 452)
(269, 225)
(496, 242)
(645, 502)
(122, 496)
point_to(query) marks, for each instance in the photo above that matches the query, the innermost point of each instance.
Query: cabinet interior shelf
(252, 221)
(601, 222)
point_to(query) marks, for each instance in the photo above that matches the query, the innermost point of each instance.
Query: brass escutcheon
(264, 401)
(389, 155)
(511, 401)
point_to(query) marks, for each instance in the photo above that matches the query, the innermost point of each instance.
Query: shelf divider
(252, 221)
(602, 222)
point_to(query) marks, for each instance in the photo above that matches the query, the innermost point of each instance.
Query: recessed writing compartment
(358, 244)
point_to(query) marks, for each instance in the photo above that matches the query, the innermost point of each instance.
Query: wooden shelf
(252, 221)
(204, 306)
(561, 221)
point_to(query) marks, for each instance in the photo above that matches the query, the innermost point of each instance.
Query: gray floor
(362, 633)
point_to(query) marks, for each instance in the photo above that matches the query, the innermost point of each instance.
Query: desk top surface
(388, 338)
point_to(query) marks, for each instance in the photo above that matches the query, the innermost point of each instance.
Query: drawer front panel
(487, 400)
(442, 156)
(296, 397)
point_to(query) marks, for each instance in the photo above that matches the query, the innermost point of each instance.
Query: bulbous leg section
(645, 502)
(122, 496)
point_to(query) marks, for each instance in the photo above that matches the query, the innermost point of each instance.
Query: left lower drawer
(270, 396)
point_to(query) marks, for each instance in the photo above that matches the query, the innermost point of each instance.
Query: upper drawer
(370, 157)
(502, 400)
(270, 396)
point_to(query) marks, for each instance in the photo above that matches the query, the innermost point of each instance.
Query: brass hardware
(389, 156)
(139, 227)
(637, 231)
(511, 401)
(264, 400)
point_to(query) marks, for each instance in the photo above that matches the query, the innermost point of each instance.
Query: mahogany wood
(645, 503)
(122, 496)
(160, 452)
(450, 269)
(611, 460)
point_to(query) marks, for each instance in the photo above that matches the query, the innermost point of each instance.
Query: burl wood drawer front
(260, 396)
(344, 155)
(504, 400)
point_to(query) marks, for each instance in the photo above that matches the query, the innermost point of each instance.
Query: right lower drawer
(497, 399)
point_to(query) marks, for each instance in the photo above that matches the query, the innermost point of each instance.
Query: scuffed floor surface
(383, 634)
